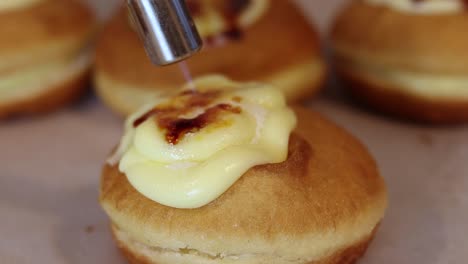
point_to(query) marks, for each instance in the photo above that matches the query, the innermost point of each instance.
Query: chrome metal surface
(166, 28)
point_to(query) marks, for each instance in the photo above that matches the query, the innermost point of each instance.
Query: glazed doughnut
(45, 58)
(406, 58)
(271, 42)
(318, 198)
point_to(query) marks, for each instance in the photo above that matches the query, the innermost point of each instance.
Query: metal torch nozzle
(166, 28)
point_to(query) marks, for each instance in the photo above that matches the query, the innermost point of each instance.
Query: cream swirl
(423, 6)
(187, 150)
(7, 5)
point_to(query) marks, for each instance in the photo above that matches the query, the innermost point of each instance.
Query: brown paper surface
(50, 166)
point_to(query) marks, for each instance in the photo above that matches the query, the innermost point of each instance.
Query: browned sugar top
(168, 116)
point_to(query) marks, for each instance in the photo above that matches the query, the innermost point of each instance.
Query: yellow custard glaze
(33, 80)
(211, 19)
(428, 85)
(424, 6)
(7, 5)
(205, 163)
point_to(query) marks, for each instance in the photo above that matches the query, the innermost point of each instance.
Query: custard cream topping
(33, 80)
(6, 5)
(450, 87)
(187, 150)
(423, 6)
(214, 17)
